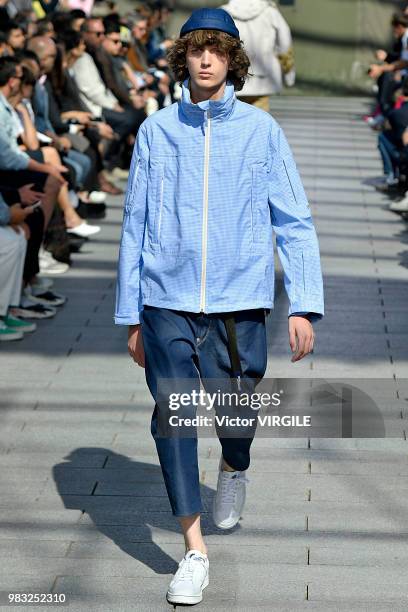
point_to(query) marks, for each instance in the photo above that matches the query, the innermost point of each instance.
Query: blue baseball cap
(210, 19)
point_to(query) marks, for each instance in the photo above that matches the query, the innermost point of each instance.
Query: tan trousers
(259, 101)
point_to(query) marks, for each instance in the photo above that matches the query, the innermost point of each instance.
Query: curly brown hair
(233, 47)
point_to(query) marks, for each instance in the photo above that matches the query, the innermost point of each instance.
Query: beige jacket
(266, 36)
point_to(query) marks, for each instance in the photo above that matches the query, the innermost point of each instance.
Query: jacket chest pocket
(155, 201)
(259, 204)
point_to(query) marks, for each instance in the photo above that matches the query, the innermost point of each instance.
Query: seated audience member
(28, 135)
(393, 146)
(113, 67)
(45, 50)
(388, 74)
(16, 167)
(158, 43)
(98, 97)
(13, 246)
(77, 19)
(14, 37)
(45, 27)
(390, 142)
(71, 107)
(147, 76)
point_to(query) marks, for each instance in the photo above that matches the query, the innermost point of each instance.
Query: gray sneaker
(229, 499)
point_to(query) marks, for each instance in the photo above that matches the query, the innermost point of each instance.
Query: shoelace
(229, 487)
(186, 566)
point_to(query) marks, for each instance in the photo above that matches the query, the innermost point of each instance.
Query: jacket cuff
(127, 319)
(314, 311)
(313, 317)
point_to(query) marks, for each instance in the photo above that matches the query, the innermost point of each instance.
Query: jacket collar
(218, 109)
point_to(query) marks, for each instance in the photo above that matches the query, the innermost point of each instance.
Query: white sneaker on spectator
(229, 499)
(7, 334)
(29, 309)
(84, 230)
(49, 265)
(46, 298)
(190, 579)
(401, 206)
(36, 311)
(97, 197)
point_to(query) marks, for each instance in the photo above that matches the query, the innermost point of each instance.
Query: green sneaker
(7, 334)
(18, 325)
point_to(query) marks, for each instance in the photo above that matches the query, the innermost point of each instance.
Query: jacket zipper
(205, 211)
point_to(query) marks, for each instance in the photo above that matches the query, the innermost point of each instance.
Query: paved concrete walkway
(82, 506)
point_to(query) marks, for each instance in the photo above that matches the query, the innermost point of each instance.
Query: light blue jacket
(11, 157)
(209, 184)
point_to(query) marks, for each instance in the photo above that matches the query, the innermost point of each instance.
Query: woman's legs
(71, 217)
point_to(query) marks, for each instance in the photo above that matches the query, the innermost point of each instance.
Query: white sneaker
(34, 311)
(229, 499)
(401, 206)
(50, 268)
(49, 265)
(97, 197)
(46, 298)
(190, 579)
(83, 230)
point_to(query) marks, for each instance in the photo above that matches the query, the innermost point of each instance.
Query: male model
(211, 179)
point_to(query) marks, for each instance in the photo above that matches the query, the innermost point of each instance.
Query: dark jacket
(68, 98)
(106, 67)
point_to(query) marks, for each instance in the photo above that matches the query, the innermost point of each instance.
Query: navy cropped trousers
(187, 345)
